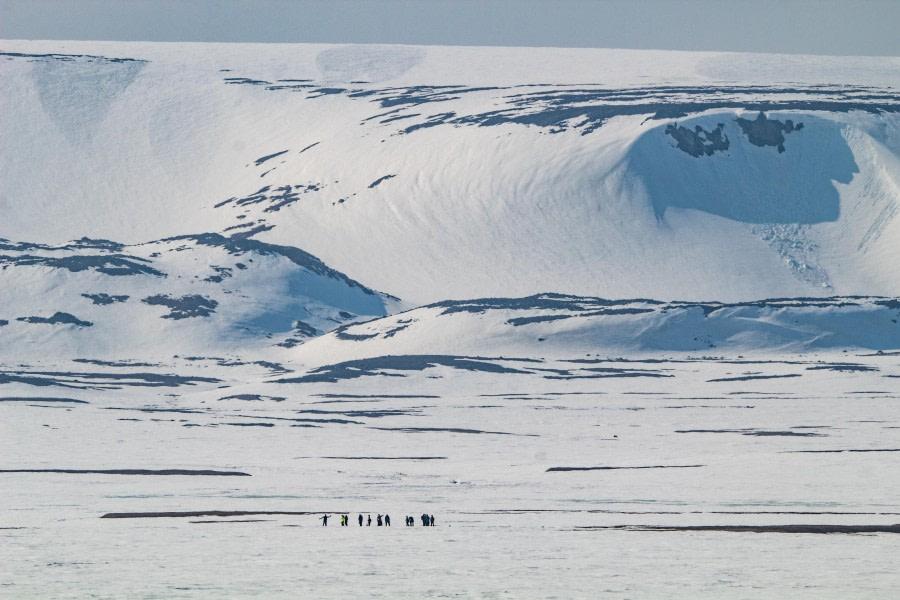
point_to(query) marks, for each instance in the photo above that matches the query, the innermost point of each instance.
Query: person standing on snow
(360, 520)
(324, 519)
(387, 520)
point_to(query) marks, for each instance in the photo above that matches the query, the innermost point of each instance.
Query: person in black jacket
(387, 520)
(360, 520)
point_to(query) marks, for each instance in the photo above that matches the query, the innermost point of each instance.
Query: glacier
(626, 322)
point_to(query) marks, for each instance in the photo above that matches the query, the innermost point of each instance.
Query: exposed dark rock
(108, 264)
(104, 299)
(305, 329)
(560, 469)
(699, 142)
(375, 183)
(254, 397)
(757, 528)
(202, 472)
(59, 318)
(414, 458)
(843, 450)
(240, 246)
(263, 159)
(381, 365)
(753, 377)
(72, 57)
(767, 132)
(208, 513)
(755, 432)
(101, 380)
(43, 399)
(113, 363)
(184, 307)
(449, 430)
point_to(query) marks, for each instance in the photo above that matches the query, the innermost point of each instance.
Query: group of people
(427, 520)
(380, 520)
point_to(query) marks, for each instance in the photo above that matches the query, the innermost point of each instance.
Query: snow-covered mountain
(222, 179)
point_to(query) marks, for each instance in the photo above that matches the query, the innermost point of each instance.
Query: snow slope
(434, 173)
(201, 294)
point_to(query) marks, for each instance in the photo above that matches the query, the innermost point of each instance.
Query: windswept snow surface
(625, 322)
(543, 476)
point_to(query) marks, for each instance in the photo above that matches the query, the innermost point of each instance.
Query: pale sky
(839, 27)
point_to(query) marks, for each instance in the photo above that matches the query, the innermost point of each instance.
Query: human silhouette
(369, 522)
(387, 520)
(379, 521)
(324, 519)
(360, 520)
(431, 521)
(424, 520)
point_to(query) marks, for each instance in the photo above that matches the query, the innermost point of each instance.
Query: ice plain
(625, 322)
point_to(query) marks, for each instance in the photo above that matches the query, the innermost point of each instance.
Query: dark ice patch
(58, 318)
(184, 307)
